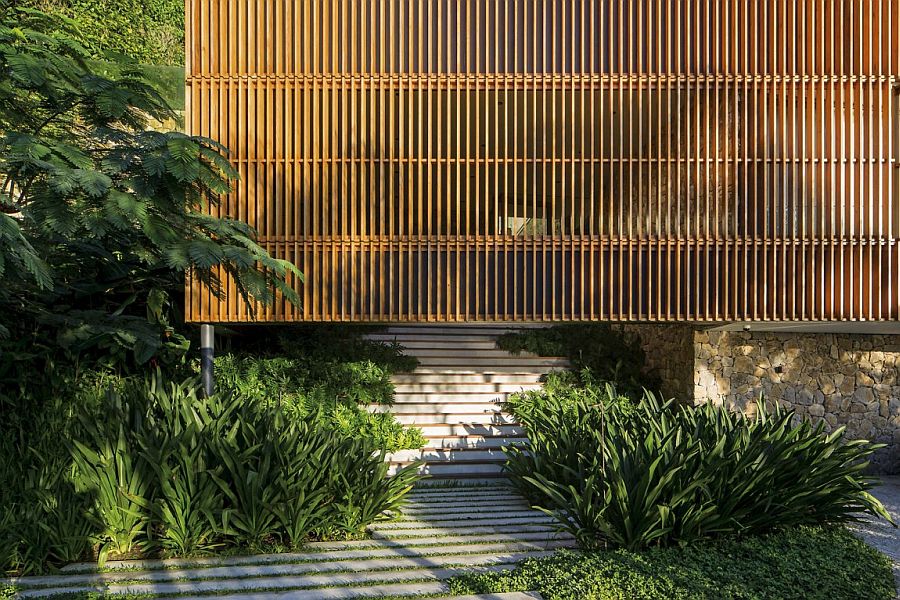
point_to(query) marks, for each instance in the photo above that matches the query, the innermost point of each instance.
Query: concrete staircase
(454, 395)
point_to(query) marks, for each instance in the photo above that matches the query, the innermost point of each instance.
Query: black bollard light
(207, 339)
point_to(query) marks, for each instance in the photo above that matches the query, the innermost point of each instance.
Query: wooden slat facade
(545, 160)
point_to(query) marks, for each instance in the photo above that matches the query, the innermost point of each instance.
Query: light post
(207, 340)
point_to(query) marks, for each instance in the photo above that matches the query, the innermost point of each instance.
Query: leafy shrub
(325, 372)
(597, 352)
(799, 564)
(150, 31)
(576, 413)
(48, 516)
(43, 517)
(662, 474)
(219, 471)
(110, 471)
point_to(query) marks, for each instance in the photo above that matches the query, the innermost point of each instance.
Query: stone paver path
(441, 532)
(879, 533)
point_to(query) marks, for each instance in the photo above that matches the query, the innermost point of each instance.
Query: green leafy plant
(208, 473)
(796, 564)
(101, 219)
(598, 353)
(250, 481)
(305, 497)
(362, 491)
(150, 31)
(322, 372)
(109, 467)
(663, 474)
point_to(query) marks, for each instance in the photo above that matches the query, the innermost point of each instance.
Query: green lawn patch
(803, 563)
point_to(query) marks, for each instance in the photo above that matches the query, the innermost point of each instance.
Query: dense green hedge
(801, 564)
(148, 31)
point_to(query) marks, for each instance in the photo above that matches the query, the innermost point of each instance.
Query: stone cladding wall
(840, 379)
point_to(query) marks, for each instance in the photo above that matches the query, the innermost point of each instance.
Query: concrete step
(462, 387)
(428, 545)
(426, 342)
(430, 519)
(490, 362)
(529, 517)
(527, 372)
(431, 377)
(434, 408)
(474, 530)
(467, 428)
(466, 350)
(471, 505)
(457, 470)
(457, 391)
(472, 442)
(450, 496)
(454, 396)
(455, 418)
(431, 489)
(438, 454)
(436, 511)
(244, 588)
(219, 578)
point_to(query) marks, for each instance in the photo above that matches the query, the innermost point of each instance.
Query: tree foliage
(101, 218)
(148, 31)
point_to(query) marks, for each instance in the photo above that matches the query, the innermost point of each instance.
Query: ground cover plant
(321, 371)
(803, 563)
(598, 353)
(660, 474)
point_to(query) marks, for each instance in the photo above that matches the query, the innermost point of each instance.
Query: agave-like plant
(668, 474)
(113, 471)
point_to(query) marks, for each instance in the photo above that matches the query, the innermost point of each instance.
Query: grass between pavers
(805, 563)
(95, 595)
(444, 547)
(102, 596)
(314, 552)
(12, 591)
(230, 572)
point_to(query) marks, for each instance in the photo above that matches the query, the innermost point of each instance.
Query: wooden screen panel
(438, 160)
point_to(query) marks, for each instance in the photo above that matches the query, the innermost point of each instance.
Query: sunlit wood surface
(489, 160)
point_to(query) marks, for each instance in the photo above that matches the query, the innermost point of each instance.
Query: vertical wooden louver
(529, 160)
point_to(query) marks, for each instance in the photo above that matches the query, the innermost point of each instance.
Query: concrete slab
(216, 578)
(470, 530)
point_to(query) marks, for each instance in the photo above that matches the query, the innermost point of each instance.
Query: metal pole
(207, 337)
